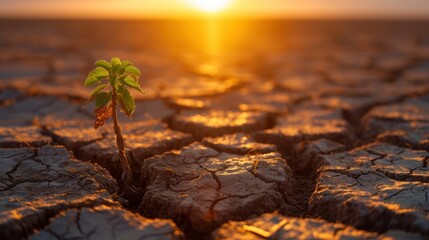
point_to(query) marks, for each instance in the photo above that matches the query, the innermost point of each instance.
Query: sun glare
(209, 6)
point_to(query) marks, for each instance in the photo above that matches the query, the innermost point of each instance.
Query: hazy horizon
(236, 9)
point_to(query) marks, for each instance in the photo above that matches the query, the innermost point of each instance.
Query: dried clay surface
(276, 130)
(38, 183)
(276, 226)
(204, 188)
(103, 223)
(377, 187)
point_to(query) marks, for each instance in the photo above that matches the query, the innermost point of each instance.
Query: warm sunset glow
(193, 9)
(209, 5)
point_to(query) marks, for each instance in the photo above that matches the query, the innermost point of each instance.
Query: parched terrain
(315, 131)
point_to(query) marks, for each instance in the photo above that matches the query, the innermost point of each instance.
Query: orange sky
(307, 9)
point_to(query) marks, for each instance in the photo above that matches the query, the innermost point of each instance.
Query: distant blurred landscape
(67, 48)
(193, 35)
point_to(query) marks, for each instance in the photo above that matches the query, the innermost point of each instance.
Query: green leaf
(90, 80)
(126, 63)
(96, 76)
(104, 64)
(126, 100)
(131, 83)
(102, 99)
(99, 73)
(116, 63)
(133, 70)
(98, 89)
(133, 76)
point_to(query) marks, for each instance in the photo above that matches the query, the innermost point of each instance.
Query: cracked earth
(289, 141)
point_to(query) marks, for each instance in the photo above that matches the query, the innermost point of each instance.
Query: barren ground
(271, 131)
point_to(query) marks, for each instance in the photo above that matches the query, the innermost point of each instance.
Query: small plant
(113, 80)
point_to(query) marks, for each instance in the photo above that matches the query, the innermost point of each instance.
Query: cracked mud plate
(35, 184)
(202, 188)
(376, 187)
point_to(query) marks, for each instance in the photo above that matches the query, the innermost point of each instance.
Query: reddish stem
(126, 174)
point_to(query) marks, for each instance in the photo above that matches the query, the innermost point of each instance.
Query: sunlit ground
(322, 122)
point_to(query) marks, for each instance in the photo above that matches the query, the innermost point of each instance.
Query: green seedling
(113, 80)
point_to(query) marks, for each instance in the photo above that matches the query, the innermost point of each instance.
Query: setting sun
(209, 5)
